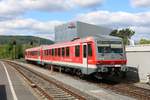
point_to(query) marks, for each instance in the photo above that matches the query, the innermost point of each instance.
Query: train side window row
(33, 53)
(58, 52)
(65, 51)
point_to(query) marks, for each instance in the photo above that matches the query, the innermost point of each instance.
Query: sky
(39, 17)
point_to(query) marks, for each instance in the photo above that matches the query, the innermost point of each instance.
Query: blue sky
(39, 17)
(109, 5)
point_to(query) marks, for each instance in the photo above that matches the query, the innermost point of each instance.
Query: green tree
(144, 41)
(125, 34)
(19, 51)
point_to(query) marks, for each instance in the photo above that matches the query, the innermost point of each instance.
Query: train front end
(110, 57)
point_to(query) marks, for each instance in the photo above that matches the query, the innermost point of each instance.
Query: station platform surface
(12, 86)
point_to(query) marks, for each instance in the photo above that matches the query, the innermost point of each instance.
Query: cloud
(46, 5)
(29, 27)
(87, 3)
(13, 8)
(140, 22)
(140, 3)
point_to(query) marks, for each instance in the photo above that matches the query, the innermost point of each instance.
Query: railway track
(127, 89)
(48, 89)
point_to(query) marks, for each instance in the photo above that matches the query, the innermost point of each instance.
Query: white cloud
(46, 5)
(140, 3)
(140, 22)
(87, 3)
(29, 27)
(13, 8)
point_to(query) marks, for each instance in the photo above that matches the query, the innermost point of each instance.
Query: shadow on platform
(3, 94)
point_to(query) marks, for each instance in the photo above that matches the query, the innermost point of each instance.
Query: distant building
(69, 31)
(138, 56)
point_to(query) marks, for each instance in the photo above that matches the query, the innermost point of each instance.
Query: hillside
(23, 40)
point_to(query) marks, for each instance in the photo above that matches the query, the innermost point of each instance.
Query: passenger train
(101, 56)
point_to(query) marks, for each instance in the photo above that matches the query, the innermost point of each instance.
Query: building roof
(138, 48)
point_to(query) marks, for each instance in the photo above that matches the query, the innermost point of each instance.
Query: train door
(85, 60)
(39, 56)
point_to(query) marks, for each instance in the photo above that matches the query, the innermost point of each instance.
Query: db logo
(71, 25)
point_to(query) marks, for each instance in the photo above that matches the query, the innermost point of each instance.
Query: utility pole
(31, 43)
(14, 48)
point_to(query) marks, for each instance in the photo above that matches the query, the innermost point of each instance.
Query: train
(100, 56)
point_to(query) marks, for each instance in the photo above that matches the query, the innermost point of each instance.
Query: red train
(100, 56)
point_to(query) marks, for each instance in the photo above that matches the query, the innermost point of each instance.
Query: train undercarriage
(100, 72)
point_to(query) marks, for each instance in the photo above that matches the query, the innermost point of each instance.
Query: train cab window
(89, 49)
(67, 51)
(63, 51)
(52, 52)
(58, 51)
(55, 52)
(77, 50)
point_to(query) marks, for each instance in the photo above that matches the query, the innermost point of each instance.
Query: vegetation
(144, 41)
(13, 47)
(24, 40)
(125, 34)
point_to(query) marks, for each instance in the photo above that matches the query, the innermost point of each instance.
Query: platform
(12, 86)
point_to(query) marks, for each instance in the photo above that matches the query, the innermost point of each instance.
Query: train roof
(107, 37)
(77, 42)
(35, 48)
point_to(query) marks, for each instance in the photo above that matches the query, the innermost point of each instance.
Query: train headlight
(124, 68)
(102, 69)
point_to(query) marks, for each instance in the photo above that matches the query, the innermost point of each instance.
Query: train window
(63, 51)
(67, 51)
(84, 51)
(55, 52)
(77, 50)
(58, 51)
(49, 52)
(46, 52)
(89, 49)
(38, 53)
(52, 52)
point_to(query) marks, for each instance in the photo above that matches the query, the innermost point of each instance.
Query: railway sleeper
(65, 98)
(55, 90)
(58, 93)
(62, 96)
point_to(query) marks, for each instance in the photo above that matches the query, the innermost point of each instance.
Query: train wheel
(98, 76)
(80, 74)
